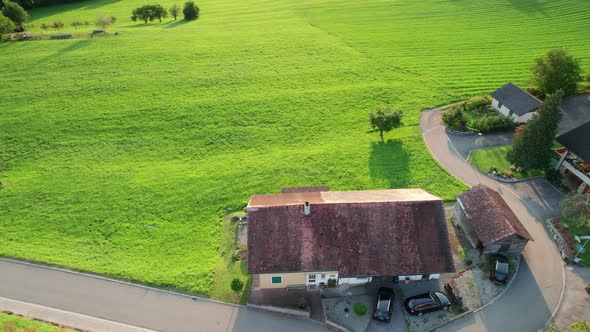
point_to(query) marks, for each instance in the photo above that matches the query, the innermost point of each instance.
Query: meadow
(120, 155)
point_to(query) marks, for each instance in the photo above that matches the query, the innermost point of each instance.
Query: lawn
(120, 155)
(14, 323)
(484, 159)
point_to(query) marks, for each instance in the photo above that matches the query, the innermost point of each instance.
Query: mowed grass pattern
(121, 154)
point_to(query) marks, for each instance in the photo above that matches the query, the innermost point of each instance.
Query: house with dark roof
(574, 156)
(315, 238)
(515, 103)
(489, 223)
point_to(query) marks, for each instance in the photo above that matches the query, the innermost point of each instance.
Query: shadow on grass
(389, 163)
(175, 24)
(528, 6)
(70, 48)
(82, 5)
(138, 25)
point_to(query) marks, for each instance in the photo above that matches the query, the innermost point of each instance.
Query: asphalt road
(135, 305)
(535, 293)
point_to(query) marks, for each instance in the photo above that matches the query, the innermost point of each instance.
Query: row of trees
(157, 12)
(102, 21)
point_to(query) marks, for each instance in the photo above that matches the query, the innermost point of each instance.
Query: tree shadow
(528, 6)
(389, 164)
(175, 24)
(70, 48)
(138, 25)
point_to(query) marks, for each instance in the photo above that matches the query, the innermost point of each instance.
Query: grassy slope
(21, 323)
(121, 154)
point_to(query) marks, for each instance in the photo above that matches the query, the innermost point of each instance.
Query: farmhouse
(573, 156)
(515, 103)
(319, 238)
(488, 222)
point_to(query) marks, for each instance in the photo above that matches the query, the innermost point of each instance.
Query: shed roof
(489, 216)
(358, 233)
(577, 141)
(516, 99)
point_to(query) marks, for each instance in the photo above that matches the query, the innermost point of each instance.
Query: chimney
(306, 209)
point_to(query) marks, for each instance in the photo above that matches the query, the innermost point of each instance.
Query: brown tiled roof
(286, 190)
(490, 218)
(358, 233)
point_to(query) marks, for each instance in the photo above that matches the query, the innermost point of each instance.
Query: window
(311, 278)
(323, 276)
(276, 280)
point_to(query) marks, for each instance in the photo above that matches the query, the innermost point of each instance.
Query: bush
(493, 123)
(478, 102)
(57, 25)
(331, 283)
(190, 11)
(302, 302)
(237, 285)
(454, 118)
(360, 309)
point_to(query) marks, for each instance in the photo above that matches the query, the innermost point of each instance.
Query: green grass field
(17, 324)
(120, 155)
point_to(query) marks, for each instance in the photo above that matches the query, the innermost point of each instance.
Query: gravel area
(427, 321)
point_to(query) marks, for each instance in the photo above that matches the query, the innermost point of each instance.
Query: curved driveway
(535, 293)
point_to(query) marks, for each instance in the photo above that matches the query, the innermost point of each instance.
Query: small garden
(493, 161)
(575, 221)
(476, 115)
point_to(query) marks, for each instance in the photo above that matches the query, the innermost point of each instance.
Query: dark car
(427, 302)
(384, 304)
(500, 267)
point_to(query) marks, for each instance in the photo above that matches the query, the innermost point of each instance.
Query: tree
(160, 12)
(532, 147)
(104, 21)
(45, 26)
(15, 13)
(385, 120)
(237, 285)
(144, 13)
(58, 25)
(6, 25)
(557, 70)
(190, 11)
(174, 11)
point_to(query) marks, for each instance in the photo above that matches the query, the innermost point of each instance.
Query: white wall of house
(354, 281)
(508, 113)
(434, 276)
(410, 277)
(320, 278)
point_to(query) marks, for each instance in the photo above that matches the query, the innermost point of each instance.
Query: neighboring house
(515, 103)
(488, 222)
(573, 155)
(304, 239)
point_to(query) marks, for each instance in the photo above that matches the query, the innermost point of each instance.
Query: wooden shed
(489, 223)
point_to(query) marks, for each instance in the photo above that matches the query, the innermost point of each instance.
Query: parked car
(500, 268)
(427, 302)
(384, 305)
